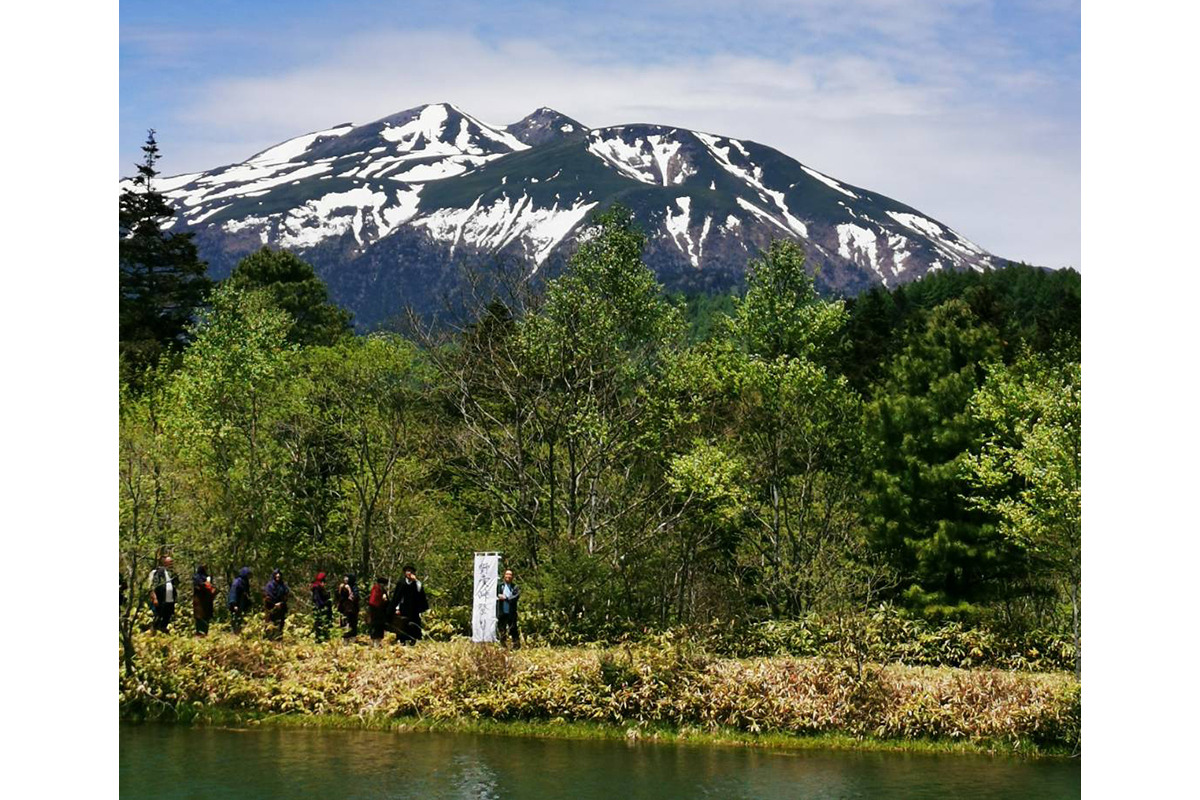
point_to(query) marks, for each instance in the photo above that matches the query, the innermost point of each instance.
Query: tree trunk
(366, 550)
(1075, 624)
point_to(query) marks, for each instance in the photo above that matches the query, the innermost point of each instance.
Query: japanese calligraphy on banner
(487, 579)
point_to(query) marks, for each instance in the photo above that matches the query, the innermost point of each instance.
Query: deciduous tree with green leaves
(148, 498)
(1026, 470)
(369, 393)
(599, 338)
(797, 425)
(224, 404)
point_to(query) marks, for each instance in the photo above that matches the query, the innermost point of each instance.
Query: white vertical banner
(487, 579)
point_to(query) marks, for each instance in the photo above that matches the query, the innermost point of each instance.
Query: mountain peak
(382, 208)
(546, 125)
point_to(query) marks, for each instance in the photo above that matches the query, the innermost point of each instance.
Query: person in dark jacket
(239, 599)
(322, 608)
(275, 598)
(506, 611)
(410, 604)
(163, 591)
(347, 603)
(202, 599)
(377, 608)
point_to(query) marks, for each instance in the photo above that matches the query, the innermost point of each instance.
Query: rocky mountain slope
(390, 212)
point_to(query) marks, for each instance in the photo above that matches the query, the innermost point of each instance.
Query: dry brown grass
(178, 676)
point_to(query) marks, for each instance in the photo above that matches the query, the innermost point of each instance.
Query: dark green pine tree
(951, 554)
(295, 288)
(163, 280)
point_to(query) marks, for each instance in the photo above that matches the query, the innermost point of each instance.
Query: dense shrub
(888, 636)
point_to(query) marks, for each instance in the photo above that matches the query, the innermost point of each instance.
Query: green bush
(888, 636)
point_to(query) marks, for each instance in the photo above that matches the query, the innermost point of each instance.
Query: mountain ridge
(386, 210)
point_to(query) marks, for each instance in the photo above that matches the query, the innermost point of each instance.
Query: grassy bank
(664, 694)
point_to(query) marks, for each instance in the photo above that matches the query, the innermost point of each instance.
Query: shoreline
(633, 734)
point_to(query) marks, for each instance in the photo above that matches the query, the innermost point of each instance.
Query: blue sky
(967, 110)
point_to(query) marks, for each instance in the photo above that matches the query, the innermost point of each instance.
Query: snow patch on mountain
(677, 227)
(292, 148)
(550, 226)
(249, 223)
(207, 214)
(423, 173)
(404, 209)
(625, 158)
(666, 156)
(261, 184)
(316, 220)
(758, 212)
(168, 184)
(753, 177)
(949, 243)
(853, 237)
(424, 132)
(505, 220)
(896, 243)
(429, 136)
(830, 182)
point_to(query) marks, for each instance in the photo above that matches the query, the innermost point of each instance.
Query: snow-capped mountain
(388, 210)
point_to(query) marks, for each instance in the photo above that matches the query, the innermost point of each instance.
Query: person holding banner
(506, 611)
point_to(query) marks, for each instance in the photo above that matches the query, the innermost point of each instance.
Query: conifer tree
(294, 286)
(162, 279)
(950, 552)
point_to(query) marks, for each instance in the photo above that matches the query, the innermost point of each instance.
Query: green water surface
(166, 761)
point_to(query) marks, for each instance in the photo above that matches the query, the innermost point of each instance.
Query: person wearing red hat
(322, 608)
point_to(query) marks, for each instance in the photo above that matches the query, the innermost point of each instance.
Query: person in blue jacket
(239, 599)
(275, 598)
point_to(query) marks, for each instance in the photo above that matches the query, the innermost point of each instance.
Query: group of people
(398, 612)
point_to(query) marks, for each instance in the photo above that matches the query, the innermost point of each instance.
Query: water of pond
(165, 761)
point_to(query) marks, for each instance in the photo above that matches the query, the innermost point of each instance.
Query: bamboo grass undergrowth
(669, 695)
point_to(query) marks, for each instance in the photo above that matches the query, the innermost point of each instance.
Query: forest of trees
(642, 461)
